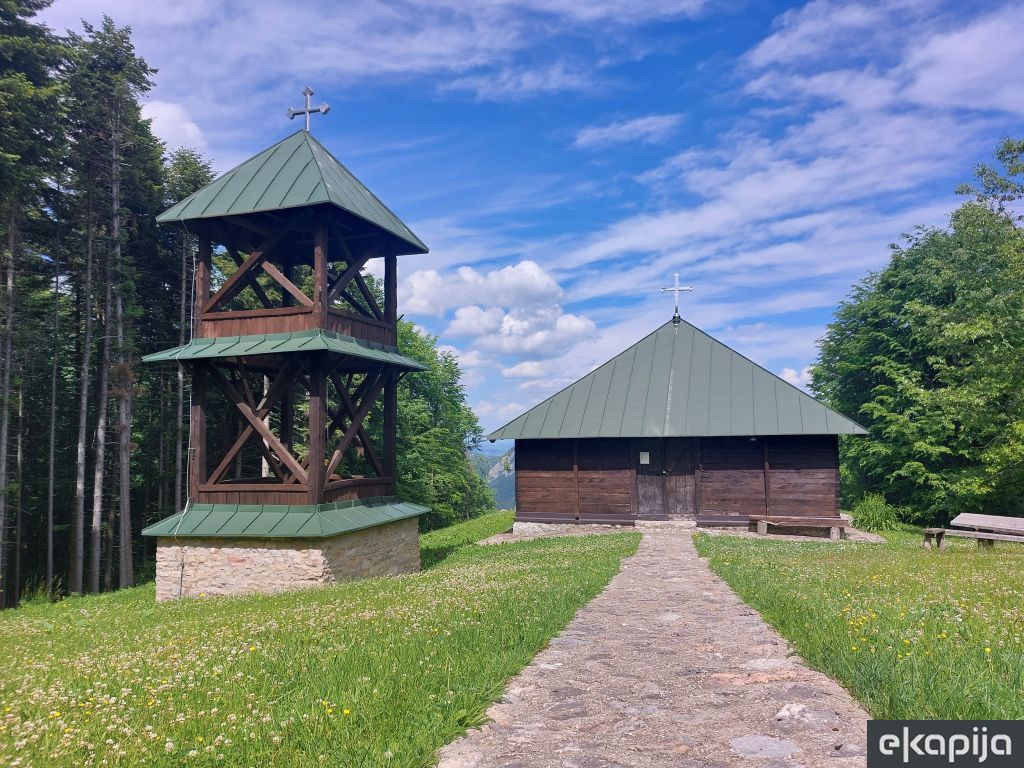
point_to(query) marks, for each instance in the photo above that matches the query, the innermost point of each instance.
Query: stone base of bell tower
(209, 566)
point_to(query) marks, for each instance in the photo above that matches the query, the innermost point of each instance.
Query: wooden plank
(985, 535)
(995, 523)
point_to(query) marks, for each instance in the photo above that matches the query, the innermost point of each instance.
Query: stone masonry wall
(216, 566)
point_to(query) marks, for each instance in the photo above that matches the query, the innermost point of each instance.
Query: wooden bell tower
(293, 358)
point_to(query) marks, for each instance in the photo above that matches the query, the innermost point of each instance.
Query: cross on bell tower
(677, 289)
(323, 109)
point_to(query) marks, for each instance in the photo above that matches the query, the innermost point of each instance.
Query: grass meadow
(372, 673)
(912, 633)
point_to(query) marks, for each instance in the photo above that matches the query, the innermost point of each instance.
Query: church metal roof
(276, 521)
(295, 341)
(678, 382)
(297, 171)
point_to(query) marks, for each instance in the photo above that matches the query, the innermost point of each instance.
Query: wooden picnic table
(986, 529)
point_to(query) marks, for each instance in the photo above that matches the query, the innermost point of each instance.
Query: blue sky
(563, 159)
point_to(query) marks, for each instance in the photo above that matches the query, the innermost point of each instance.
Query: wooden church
(678, 426)
(294, 370)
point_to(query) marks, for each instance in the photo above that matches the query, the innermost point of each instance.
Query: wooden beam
(234, 283)
(236, 398)
(357, 306)
(364, 440)
(345, 278)
(357, 422)
(278, 389)
(287, 284)
(371, 301)
(251, 278)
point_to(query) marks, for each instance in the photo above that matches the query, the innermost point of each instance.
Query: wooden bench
(987, 529)
(835, 525)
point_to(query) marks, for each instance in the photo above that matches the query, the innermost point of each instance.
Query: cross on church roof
(309, 110)
(677, 289)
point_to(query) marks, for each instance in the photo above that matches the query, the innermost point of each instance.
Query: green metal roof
(297, 171)
(276, 521)
(296, 341)
(678, 382)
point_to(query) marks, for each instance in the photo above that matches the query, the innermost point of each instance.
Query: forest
(92, 443)
(928, 354)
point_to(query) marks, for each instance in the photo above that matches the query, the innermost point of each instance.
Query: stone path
(667, 667)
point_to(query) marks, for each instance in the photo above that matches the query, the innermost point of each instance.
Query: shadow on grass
(431, 557)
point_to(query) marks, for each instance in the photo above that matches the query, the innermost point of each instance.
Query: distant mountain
(500, 473)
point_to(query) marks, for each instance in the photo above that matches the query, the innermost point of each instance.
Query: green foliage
(912, 633)
(874, 513)
(929, 355)
(436, 430)
(380, 672)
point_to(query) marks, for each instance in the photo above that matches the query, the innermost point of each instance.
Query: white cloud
(801, 378)
(475, 321)
(172, 124)
(523, 82)
(972, 67)
(528, 369)
(429, 292)
(650, 130)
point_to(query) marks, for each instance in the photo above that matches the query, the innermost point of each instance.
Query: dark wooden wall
(713, 480)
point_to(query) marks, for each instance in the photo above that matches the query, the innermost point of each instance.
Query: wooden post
(391, 431)
(202, 283)
(197, 431)
(391, 290)
(317, 426)
(320, 299)
(391, 388)
(576, 474)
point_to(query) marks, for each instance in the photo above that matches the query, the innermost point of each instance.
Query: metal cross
(309, 110)
(677, 289)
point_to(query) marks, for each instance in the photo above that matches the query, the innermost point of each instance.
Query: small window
(645, 457)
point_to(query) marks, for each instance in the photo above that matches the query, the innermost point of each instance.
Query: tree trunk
(125, 383)
(18, 507)
(96, 529)
(75, 567)
(5, 392)
(83, 396)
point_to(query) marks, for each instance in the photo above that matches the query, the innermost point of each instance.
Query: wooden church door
(665, 477)
(680, 460)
